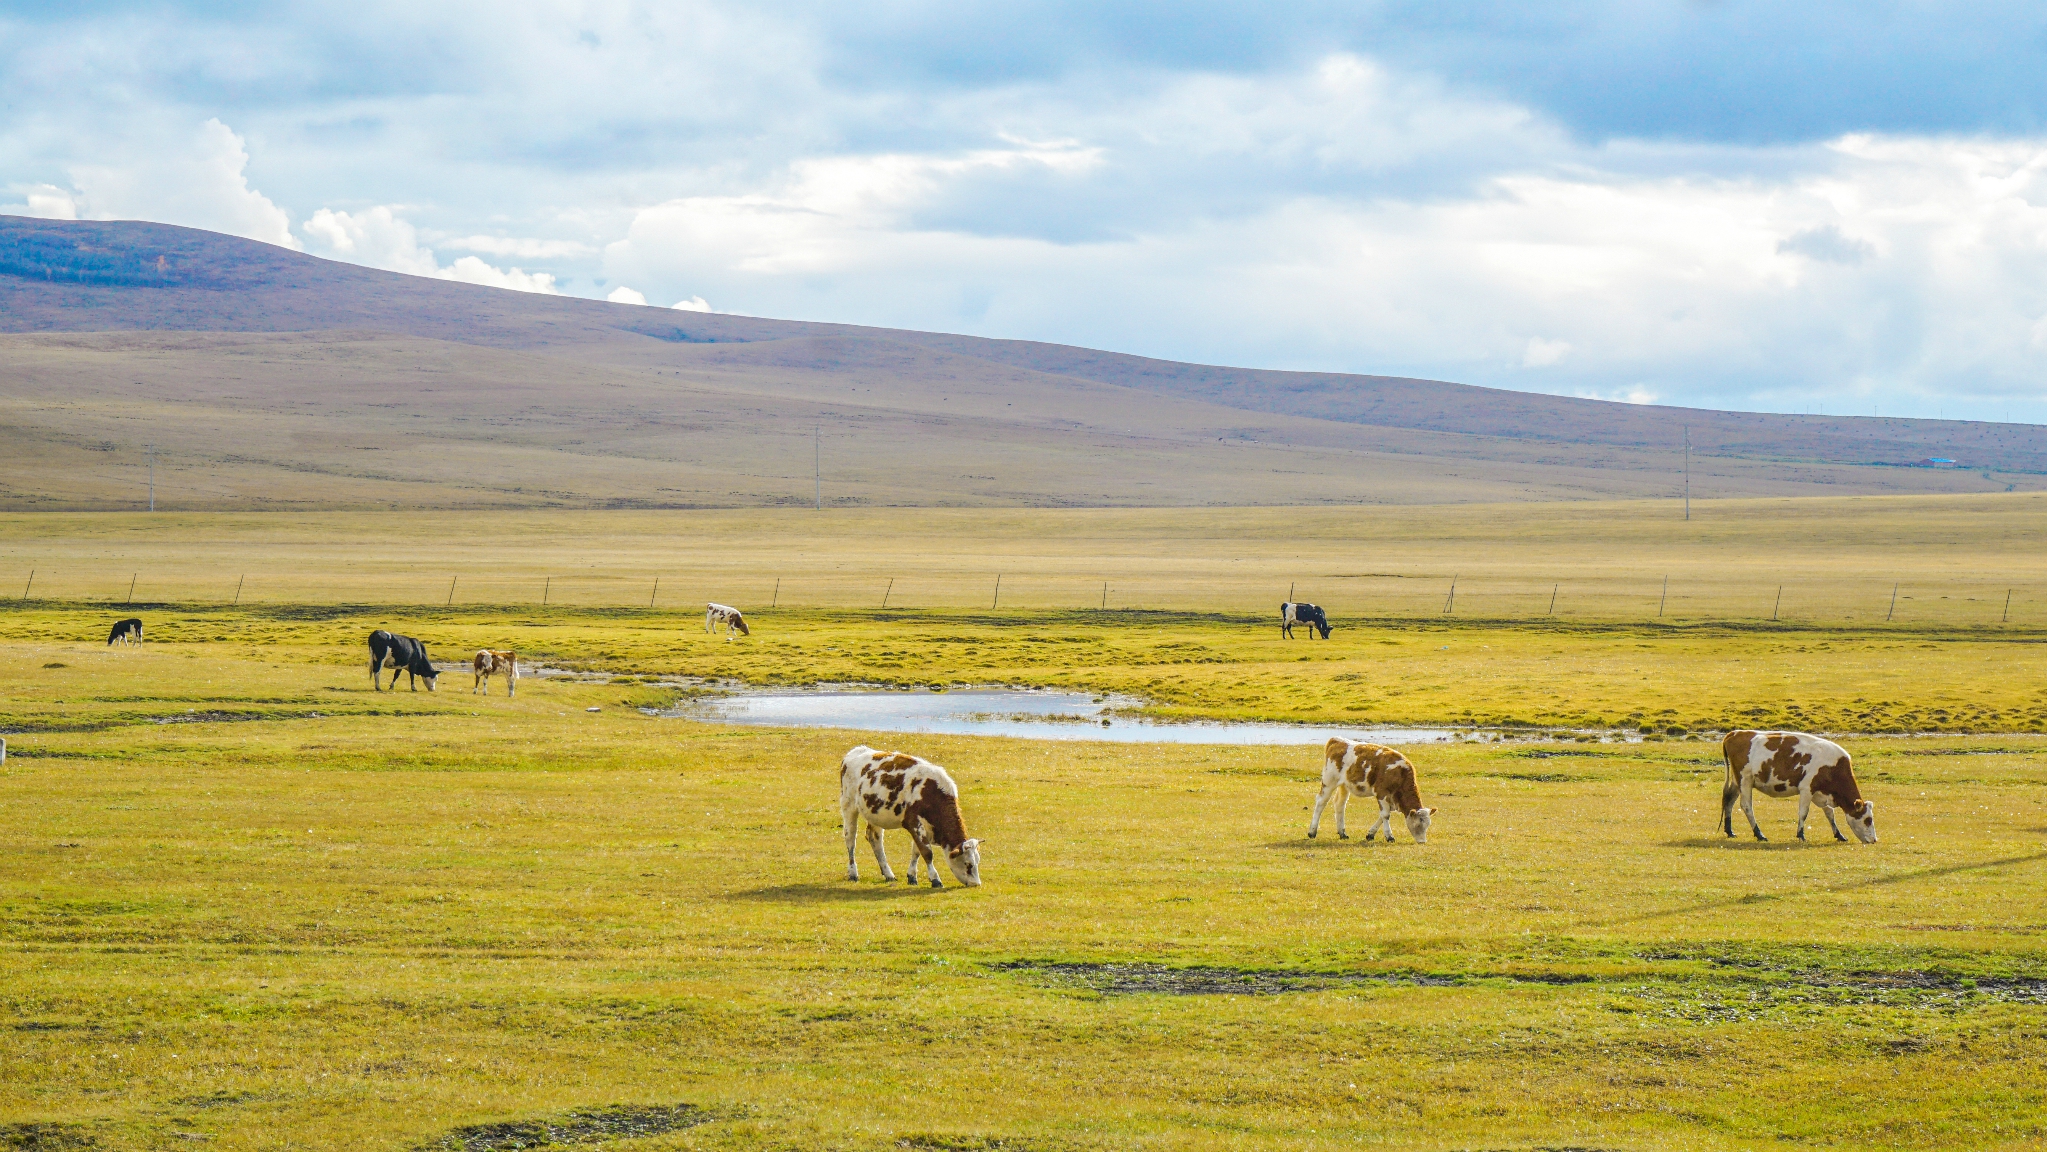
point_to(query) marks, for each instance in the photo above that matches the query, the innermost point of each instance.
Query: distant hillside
(274, 379)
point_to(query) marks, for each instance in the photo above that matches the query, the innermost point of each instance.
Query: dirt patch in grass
(35, 1137)
(579, 1126)
(1137, 978)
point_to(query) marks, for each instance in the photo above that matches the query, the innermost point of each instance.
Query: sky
(1826, 207)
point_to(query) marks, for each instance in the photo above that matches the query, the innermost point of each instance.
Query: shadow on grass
(1328, 841)
(838, 892)
(1744, 843)
(1817, 890)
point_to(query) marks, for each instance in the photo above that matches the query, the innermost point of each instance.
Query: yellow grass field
(247, 903)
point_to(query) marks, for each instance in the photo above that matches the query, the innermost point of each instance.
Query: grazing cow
(1291, 614)
(728, 616)
(402, 653)
(894, 790)
(1355, 768)
(1786, 764)
(129, 630)
(490, 660)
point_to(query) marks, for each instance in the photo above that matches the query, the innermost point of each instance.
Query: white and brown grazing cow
(491, 660)
(1786, 764)
(896, 790)
(726, 615)
(1355, 768)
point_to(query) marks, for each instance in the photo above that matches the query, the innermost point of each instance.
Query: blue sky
(1823, 207)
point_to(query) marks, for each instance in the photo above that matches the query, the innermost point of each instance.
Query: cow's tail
(1729, 793)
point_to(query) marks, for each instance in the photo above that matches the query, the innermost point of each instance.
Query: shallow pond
(1038, 714)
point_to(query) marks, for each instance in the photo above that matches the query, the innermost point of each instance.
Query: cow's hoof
(938, 884)
(1801, 836)
(1841, 838)
(1343, 835)
(1762, 837)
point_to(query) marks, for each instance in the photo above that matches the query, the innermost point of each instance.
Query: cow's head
(1418, 824)
(432, 676)
(739, 622)
(1324, 626)
(1862, 819)
(966, 862)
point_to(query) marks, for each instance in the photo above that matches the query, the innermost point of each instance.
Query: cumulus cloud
(625, 295)
(380, 238)
(200, 183)
(693, 304)
(521, 247)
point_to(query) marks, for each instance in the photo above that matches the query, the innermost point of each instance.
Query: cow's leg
(1385, 820)
(482, 678)
(1748, 806)
(1321, 801)
(511, 679)
(880, 857)
(1829, 810)
(1342, 812)
(852, 823)
(920, 849)
(1729, 793)
(395, 674)
(376, 671)
(1804, 811)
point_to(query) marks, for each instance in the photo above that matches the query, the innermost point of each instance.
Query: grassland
(246, 899)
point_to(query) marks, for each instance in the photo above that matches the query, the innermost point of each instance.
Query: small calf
(1355, 768)
(1787, 764)
(894, 790)
(492, 660)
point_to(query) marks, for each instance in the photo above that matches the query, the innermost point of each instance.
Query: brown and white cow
(491, 661)
(896, 790)
(726, 615)
(1355, 768)
(1786, 764)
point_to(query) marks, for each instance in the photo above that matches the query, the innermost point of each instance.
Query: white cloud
(523, 248)
(693, 304)
(625, 295)
(1543, 353)
(1634, 395)
(380, 238)
(202, 184)
(44, 200)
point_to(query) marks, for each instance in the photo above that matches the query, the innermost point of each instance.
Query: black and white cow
(129, 630)
(402, 653)
(1291, 614)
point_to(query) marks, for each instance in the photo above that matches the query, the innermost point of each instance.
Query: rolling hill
(271, 379)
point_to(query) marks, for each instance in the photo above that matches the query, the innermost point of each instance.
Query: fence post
(1894, 604)
(998, 592)
(131, 587)
(31, 583)
(655, 592)
(238, 588)
(884, 592)
(1779, 603)
(545, 589)
(778, 593)
(451, 590)
(1553, 600)
(1665, 598)
(2007, 607)
(1450, 602)
(1105, 595)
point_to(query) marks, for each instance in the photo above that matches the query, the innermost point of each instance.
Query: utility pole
(2007, 607)
(777, 601)
(1688, 480)
(138, 576)
(151, 449)
(1450, 601)
(451, 589)
(817, 465)
(31, 583)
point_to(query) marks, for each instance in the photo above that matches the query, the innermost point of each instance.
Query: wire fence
(1678, 598)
